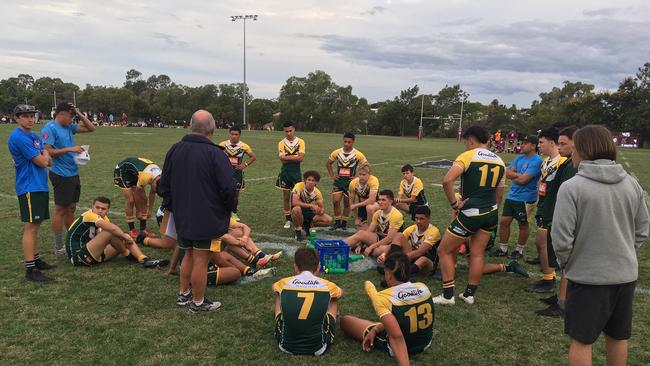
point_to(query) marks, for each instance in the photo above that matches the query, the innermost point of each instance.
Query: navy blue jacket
(198, 182)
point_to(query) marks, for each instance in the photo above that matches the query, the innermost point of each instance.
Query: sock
(197, 303)
(130, 221)
(503, 247)
(344, 221)
(560, 303)
(298, 231)
(414, 269)
(470, 290)
(250, 258)
(186, 293)
(549, 277)
(146, 241)
(37, 257)
(260, 254)
(448, 289)
(30, 265)
(141, 257)
(143, 224)
(337, 219)
(520, 248)
(504, 267)
(248, 271)
(287, 215)
(58, 240)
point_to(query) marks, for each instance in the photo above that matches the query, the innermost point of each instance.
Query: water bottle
(312, 238)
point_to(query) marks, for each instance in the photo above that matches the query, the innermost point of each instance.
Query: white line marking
(644, 291)
(260, 178)
(628, 164)
(137, 133)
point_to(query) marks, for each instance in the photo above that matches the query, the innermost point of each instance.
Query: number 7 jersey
(483, 172)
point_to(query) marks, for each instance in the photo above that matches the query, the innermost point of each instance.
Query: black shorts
(592, 309)
(552, 259)
(34, 206)
(66, 189)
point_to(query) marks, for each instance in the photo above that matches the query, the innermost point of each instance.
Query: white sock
(520, 248)
(503, 247)
(186, 293)
(197, 303)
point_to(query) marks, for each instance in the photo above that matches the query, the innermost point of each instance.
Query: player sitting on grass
(92, 239)
(365, 188)
(405, 310)
(306, 307)
(307, 205)
(411, 192)
(382, 231)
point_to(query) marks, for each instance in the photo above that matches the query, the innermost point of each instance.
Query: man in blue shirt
(64, 173)
(524, 173)
(30, 163)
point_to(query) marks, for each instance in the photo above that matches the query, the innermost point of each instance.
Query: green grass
(119, 313)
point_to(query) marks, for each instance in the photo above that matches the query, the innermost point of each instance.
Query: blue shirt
(60, 137)
(25, 146)
(526, 165)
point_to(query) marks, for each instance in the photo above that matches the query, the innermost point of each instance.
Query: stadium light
(234, 18)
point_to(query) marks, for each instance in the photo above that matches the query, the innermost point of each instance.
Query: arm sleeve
(381, 305)
(432, 236)
(164, 184)
(401, 187)
(564, 224)
(333, 155)
(335, 291)
(396, 221)
(534, 169)
(301, 146)
(224, 180)
(417, 188)
(280, 148)
(248, 150)
(27, 149)
(641, 222)
(48, 136)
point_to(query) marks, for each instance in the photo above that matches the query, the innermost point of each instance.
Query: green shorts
(362, 213)
(289, 176)
(79, 255)
(34, 206)
(342, 185)
(239, 178)
(308, 217)
(519, 210)
(213, 245)
(329, 327)
(465, 226)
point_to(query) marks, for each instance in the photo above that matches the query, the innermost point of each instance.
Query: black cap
(64, 107)
(532, 139)
(24, 108)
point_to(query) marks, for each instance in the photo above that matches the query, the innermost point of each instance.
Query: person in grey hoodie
(600, 221)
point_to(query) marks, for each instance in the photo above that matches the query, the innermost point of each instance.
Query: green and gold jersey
(483, 172)
(363, 192)
(236, 152)
(413, 189)
(415, 238)
(313, 198)
(393, 220)
(286, 147)
(136, 172)
(84, 228)
(347, 162)
(304, 300)
(412, 306)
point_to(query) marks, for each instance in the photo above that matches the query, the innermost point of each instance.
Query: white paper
(83, 157)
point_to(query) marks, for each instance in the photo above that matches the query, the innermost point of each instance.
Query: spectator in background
(600, 220)
(64, 173)
(30, 162)
(198, 185)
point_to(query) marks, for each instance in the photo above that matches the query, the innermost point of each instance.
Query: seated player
(364, 188)
(133, 175)
(405, 310)
(307, 205)
(92, 239)
(411, 192)
(386, 224)
(306, 307)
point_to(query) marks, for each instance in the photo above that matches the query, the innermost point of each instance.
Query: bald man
(197, 182)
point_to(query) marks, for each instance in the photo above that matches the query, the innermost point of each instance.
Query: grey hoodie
(600, 220)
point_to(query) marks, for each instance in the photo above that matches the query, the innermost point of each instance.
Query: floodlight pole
(244, 17)
(460, 124)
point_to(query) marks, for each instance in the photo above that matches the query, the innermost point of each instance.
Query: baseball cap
(24, 108)
(532, 139)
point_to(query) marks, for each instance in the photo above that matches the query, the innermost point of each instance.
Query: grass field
(120, 313)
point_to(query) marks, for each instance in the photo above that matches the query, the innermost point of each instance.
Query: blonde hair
(594, 142)
(364, 168)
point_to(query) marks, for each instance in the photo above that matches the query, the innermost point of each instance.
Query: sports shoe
(533, 261)
(235, 216)
(43, 265)
(516, 255)
(206, 305)
(154, 263)
(149, 233)
(440, 299)
(287, 224)
(499, 253)
(335, 226)
(264, 273)
(514, 267)
(549, 300)
(59, 251)
(133, 233)
(298, 236)
(553, 311)
(276, 256)
(37, 276)
(183, 300)
(542, 287)
(263, 261)
(343, 225)
(140, 238)
(468, 299)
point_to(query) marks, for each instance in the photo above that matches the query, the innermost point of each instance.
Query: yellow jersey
(385, 222)
(363, 192)
(286, 147)
(313, 197)
(347, 162)
(430, 236)
(235, 152)
(413, 189)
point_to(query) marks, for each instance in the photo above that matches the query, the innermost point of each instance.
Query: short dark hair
(407, 168)
(287, 124)
(479, 133)
(64, 107)
(235, 128)
(311, 173)
(423, 210)
(568, 131)
(388, 193)
(306, 259)
(551, 134)
(398, 263)
(102, 199)
(349, 135)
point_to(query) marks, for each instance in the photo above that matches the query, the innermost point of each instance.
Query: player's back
(483, 172)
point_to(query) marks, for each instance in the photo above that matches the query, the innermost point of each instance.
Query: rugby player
(291, 151)
(411, 192)
(348, 159)
(306, 307)
(364, 189)
(386, 224)
(405, 311)
(235, 150)
(482, 175)
(307, 205)
(133, 175)
(93, 239)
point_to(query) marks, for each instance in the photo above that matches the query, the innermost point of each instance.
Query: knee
(295, 210)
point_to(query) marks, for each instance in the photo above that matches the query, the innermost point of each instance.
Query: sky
(510, 50)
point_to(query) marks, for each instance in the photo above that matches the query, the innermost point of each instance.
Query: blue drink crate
(334, 255)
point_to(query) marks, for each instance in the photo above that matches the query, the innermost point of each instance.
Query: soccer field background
(120, 313)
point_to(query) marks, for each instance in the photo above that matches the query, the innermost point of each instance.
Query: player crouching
(93, 239)
(306, 307)
(307, 205)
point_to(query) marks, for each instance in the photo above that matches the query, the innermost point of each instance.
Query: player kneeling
(306, 307)
(405, 310)
(92, 239)
(307, 205)
(365, 188)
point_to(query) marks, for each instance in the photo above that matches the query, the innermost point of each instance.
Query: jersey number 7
(306, 305)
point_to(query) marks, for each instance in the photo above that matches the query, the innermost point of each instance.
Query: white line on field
(628, 164)
(137, 133)
(644, 291)
(260, 178)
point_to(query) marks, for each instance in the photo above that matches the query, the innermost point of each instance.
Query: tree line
(316, 103)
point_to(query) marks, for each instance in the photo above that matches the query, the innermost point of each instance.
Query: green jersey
(483, 172)
(564, 172)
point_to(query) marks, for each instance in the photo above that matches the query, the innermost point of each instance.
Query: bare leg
(174, 261)
(524, 233)
(199, 280)
(286, 201)
(322, 220)
(354, 327)
(447, 253)
(476, 261)
(69, 215)
(540, 243)
(346, 208)
(564, 284)
(129, 202)
(186, 271)
(579, 354)
(60, 212)
(30, 240)
(616, 351)
(504, 229)
(336, 202)
(296, 217)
